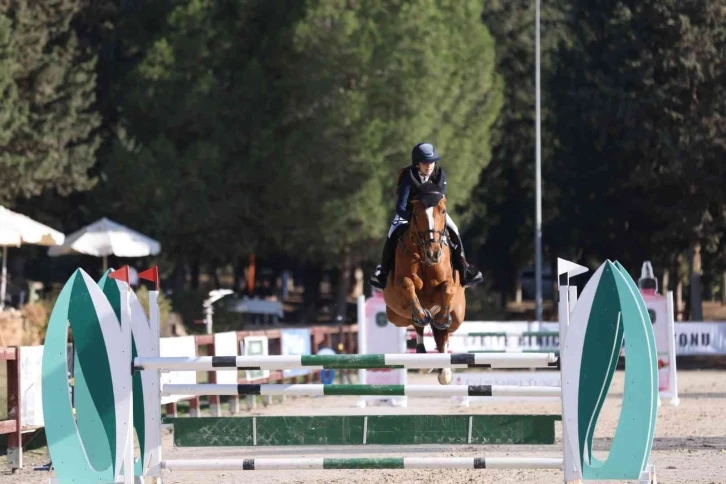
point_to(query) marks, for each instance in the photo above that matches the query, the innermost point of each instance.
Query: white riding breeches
(398, 221)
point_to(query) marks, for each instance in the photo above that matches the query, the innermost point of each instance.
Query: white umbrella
(16, 230)
(105, 237)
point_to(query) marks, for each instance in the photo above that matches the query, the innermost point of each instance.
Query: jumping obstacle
(525, 336)
(113, 336)
(499, 341)
(351, 362)
(364, 463)
(364, 430)
(315, 390)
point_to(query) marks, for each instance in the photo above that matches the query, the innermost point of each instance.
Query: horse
(423, 289)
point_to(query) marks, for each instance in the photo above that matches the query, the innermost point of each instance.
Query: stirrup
(472, 281)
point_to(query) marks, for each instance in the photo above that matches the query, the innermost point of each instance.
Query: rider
(423, 169)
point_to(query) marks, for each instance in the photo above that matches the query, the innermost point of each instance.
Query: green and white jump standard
(118, 390)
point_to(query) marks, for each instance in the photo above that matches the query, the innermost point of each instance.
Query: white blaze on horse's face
(432, 226)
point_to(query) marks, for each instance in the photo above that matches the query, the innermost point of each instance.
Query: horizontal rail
(515, 334)
(512, 332)
(405, 360)
(365, 463)
(382, 390)
(8, 426)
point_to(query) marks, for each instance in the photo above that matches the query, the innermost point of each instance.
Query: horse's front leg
(442, 320)
(419, 316)
(446, 375)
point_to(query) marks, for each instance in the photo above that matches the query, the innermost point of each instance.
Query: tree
(194, 156)
(370, 80)
(47, 87)
(503, 200)
(640, 107)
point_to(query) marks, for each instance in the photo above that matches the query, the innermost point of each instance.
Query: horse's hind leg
(446, 375)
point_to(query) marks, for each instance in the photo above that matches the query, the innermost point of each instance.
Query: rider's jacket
(408, 187)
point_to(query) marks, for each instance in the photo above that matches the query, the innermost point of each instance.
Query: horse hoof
(442, 325)
(419, 324)
(425, 321)
(420, 348)
(446, 376)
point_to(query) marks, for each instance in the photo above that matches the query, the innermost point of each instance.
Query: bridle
(425, 238)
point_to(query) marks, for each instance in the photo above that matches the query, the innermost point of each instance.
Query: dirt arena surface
(690, 444)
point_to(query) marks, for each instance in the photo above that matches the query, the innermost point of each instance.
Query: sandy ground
(690, 444)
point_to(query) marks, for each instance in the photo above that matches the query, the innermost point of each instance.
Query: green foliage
(164, 304)
(47, 90)
(191, 161)
(235, 126)
(369, 80)
(640, 106)
(503, 201)
(246, 130)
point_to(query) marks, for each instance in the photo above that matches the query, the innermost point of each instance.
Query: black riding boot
(380, 277)
(470, 275)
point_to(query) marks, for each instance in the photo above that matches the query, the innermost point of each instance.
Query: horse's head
(428, 222)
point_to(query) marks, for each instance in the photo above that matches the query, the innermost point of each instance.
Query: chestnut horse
(423, 288)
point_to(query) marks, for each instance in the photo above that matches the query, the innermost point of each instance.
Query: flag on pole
(151, 274)
(569, 268)
(121, 274)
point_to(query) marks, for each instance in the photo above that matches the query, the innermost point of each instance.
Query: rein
(421, 239)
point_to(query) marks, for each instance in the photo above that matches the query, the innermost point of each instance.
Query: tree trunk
(179, 276)
(341, 300)
(664, 284)
(518, 287)
(195, 269)
(679, 301)
(312, 275)
(215, 276)
(694, 280)
(251, 270)
(239, 274)
(679, 287)
(358, 282)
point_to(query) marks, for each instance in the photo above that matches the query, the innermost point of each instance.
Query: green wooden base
(379, 430)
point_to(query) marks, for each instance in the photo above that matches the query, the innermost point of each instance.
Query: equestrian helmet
(424, 153)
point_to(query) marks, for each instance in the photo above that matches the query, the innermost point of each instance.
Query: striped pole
(515, 334)
(365, 463)
(497, 334)
(393, 361)
(383, 390)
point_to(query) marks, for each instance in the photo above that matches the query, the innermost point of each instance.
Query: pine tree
(369, 81)
(640, 107)
(503, 202)
(48, 123)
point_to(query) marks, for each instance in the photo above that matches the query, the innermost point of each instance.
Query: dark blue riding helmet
(424, 153)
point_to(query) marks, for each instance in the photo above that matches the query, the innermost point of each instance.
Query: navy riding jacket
(408, 188)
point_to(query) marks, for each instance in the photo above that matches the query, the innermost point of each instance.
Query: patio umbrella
(106, 237)
(16, 230)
